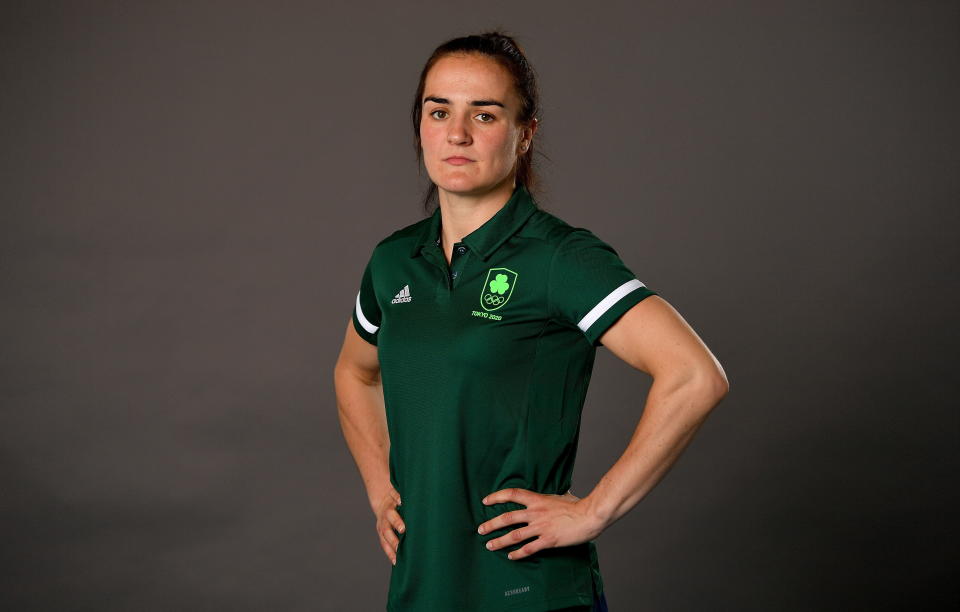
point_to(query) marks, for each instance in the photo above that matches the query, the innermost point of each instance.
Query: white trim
(606, 303)
(367, 325)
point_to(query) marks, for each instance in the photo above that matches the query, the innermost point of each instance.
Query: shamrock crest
(499, 284)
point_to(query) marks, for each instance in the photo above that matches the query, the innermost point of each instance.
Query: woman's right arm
(356, 379)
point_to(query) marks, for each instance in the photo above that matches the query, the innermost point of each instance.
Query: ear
(527, 132)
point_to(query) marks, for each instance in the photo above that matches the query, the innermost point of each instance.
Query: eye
(491, 117)
(433, 113)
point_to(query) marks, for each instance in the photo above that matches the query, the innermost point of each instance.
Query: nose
(458, 132)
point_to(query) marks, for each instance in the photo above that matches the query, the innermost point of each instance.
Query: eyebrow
(473, 103)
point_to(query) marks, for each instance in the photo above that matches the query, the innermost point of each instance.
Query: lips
(458, 161)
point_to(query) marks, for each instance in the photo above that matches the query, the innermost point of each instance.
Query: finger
(387, 533)
(526, 550)
(514, 494)
(532, 547)
(517, 535)
(497, 497)
(507, 518)
(397, 521)
(388, 550)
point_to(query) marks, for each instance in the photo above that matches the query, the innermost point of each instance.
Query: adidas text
(402, 296)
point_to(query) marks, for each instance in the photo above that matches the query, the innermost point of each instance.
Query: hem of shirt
(539, 605)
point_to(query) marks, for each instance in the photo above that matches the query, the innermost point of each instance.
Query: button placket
(455, 262)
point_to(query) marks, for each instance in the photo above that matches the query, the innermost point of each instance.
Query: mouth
(457, 160)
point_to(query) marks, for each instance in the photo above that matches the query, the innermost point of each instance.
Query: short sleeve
(590, 286)
(366, 310)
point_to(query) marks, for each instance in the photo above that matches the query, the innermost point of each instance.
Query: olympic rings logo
(493, 300)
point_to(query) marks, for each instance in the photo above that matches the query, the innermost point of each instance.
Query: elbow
(715, 385)
(707, 386)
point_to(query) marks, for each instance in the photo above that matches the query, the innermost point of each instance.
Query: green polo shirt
(485, 364)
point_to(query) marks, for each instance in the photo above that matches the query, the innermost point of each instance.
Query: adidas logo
(403, 296)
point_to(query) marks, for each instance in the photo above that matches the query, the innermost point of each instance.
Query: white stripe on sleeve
(612, 298)
(367, 325)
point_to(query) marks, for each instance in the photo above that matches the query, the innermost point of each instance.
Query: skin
(487, 134)
(688, 381)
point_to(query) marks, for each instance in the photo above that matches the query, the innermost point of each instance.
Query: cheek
(501, 145)
(502, 139)
(428, 136)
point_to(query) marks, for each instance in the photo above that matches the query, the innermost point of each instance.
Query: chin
(466, 185)
(461, 184)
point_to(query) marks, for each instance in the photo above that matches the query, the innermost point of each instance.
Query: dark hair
(505, 50)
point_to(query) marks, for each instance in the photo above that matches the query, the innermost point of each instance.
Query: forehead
(468, 75)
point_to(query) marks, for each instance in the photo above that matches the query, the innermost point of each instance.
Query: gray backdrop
(190, 192)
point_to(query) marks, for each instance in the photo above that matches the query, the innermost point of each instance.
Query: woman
(468, 354)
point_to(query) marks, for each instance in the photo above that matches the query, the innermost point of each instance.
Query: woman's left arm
(688, 382)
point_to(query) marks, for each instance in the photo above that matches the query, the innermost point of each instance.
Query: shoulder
(557, 233)
(400, 241)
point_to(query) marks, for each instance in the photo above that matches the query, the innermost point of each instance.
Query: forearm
(362, 417)
(672, 416)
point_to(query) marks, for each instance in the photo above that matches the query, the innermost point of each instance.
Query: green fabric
(484, 372)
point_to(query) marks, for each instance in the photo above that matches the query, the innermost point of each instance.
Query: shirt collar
(495, 231)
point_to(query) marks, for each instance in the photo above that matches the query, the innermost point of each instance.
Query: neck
(462, 213)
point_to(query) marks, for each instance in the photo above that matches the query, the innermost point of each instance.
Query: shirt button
(461, 250)
(453, 274)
